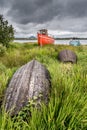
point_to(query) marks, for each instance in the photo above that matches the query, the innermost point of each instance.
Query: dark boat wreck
(31, 81)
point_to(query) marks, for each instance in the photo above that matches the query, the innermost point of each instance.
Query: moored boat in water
(44, 38)
(75, 42)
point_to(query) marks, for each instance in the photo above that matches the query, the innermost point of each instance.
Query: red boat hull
(44, 39)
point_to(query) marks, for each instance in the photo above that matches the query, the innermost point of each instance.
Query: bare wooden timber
(67, 56)
(28, 82)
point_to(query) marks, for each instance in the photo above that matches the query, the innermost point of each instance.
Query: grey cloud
(5, 3)
(77, 8)
(2, 3)
(36, 11)
(30, 15)
(39, 11)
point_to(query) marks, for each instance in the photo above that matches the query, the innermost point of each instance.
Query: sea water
(59, 42)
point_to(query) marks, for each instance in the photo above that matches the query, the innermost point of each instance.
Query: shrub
(2, 50)
(6, 32)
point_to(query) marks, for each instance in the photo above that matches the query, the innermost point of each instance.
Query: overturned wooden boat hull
(31, 81)
(67, 56)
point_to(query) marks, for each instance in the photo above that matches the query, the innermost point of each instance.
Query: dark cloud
(77, 8)
(2, 3)
(37, 11)
(70, 15)
(5, 3)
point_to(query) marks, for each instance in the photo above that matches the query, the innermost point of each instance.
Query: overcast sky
(60, 17)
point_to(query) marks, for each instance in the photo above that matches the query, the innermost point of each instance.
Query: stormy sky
(60, 17)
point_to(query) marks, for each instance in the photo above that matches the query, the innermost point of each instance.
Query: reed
(67, 108)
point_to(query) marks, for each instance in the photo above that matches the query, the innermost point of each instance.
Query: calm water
(64, 42)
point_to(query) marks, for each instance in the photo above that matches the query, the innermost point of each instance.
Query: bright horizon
(56, 34)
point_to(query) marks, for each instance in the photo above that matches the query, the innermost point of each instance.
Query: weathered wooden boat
(30, 82)
(67, 56)
(44, 38)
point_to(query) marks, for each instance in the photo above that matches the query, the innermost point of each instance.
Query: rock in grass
(30, 81)
(67, 56)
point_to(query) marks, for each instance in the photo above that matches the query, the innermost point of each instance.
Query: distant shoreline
(62, 41)
(54, 38)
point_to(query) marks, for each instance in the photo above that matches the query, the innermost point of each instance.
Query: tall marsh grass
(67, 108)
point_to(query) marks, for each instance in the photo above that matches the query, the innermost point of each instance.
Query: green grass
(67, 108)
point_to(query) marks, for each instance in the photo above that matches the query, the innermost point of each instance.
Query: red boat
(44, 38)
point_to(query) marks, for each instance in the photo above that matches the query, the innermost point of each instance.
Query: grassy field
(67, 108)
